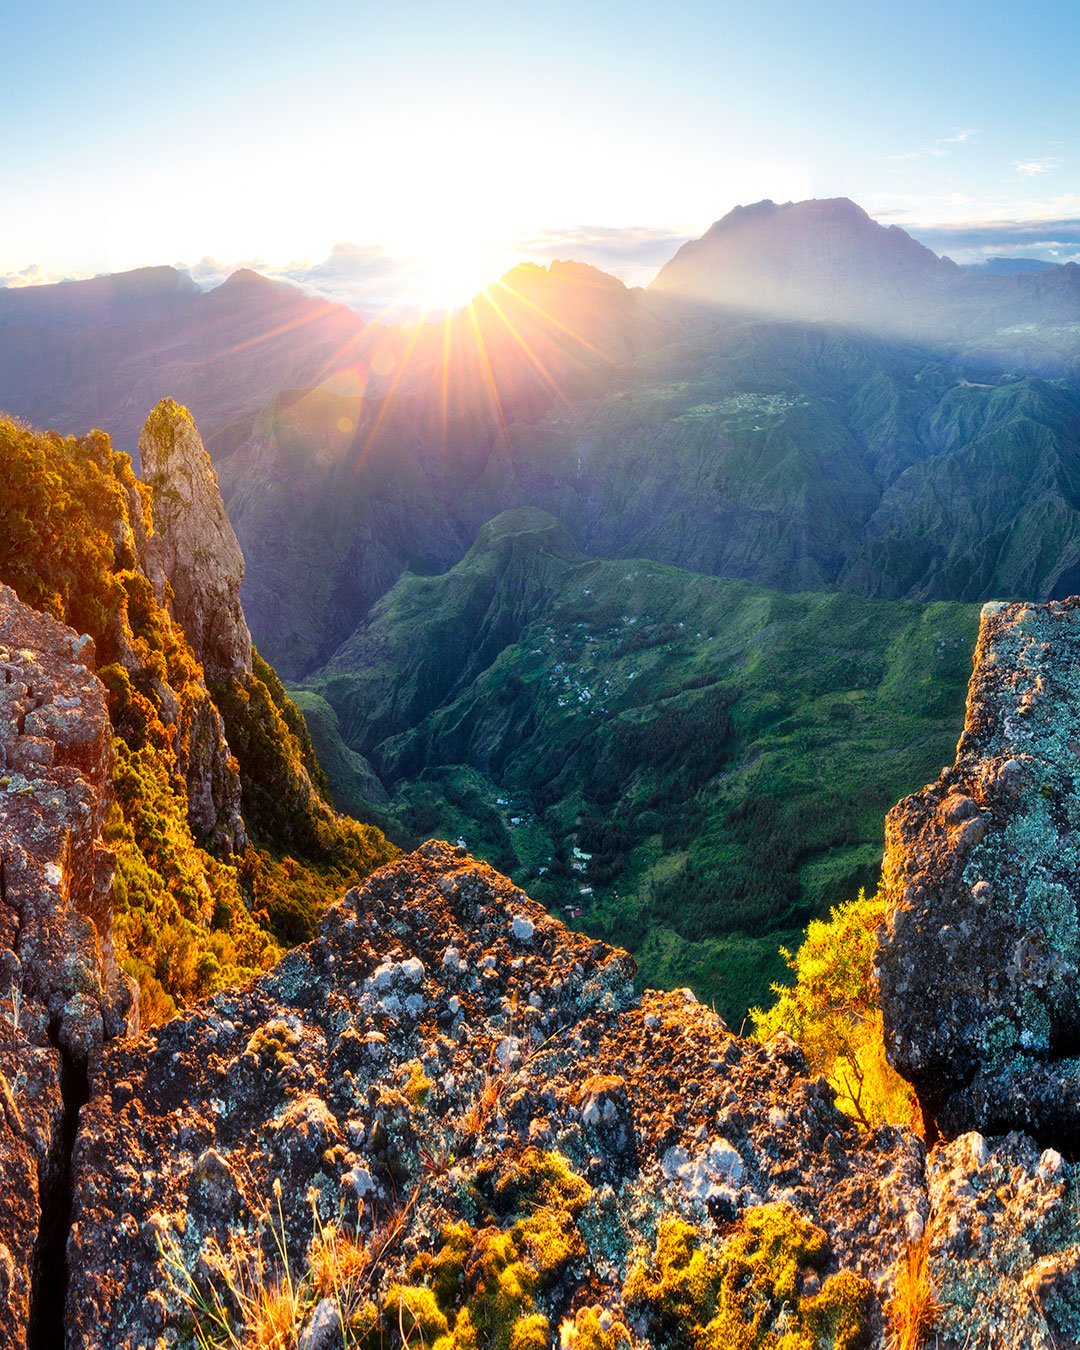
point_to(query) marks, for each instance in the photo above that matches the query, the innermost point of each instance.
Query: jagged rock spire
(194, 546)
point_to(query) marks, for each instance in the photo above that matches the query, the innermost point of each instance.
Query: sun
(444, 281)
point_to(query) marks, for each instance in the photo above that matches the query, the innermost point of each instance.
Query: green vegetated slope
(700, 765)
(191, 917)
(800, 456)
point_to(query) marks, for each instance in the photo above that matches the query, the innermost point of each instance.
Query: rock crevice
(61, 994)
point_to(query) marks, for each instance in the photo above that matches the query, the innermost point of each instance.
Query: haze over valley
(512, 561)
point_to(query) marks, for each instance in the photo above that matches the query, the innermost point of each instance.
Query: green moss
(445, 1269)
(837, 1316)
(275, 1043)
(680, 1282)
(488, 1281)
(417, 1087)
(747, 1295)
(418, 1312)
(162, 422)
(530, 1333)
(596, 1329)
(541, 1177)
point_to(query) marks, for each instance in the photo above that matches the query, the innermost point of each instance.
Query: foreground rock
(979, 967)
(61, 996)
(445, 1052)
(1004, 1245)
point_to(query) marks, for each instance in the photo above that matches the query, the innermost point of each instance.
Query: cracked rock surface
(978, 969)
(61, 996)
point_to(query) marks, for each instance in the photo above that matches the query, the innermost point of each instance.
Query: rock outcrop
(61, 996)
(194, 562)
(193, 544)
(422, 1058)
(979, 970)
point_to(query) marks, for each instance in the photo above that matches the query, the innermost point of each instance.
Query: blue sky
(434, 144)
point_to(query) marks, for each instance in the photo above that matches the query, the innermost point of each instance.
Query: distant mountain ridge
(804, 398)
(827, 259)
(103, 351)
(1004, 267)
(138, 296)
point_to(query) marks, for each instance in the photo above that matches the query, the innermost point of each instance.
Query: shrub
(831, 1012)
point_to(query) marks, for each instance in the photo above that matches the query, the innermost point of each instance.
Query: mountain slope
(205, 896)
(797, 456)
(719, 755)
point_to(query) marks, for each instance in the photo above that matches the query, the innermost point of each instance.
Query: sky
(401, 155)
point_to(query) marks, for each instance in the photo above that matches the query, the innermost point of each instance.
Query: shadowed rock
(979, 966)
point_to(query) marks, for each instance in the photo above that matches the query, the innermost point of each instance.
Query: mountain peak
(246, 277)
(194, 544)
(820, 258)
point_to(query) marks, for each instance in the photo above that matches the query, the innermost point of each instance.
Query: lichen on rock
(979, 966)
(61, 994)
(509, 1196)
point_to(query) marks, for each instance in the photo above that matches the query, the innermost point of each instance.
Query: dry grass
(253, 1305)
(913, 1308)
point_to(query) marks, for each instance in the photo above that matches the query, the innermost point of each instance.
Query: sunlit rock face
(441, 1034)
(978, 968)
(193, 545)
(192, 549)
(61, 996)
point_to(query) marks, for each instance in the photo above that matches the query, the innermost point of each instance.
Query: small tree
(831, 1012)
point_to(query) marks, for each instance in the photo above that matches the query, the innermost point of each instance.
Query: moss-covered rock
(759, 1290)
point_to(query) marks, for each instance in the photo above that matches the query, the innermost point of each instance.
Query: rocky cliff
(193, 545)
(979, 968)
(61, 996)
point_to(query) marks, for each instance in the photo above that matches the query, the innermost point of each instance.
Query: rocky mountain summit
(449, 1118)
(812, 259)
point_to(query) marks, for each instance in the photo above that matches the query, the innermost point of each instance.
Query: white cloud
(36, 275)
(1032, 167)
(938, 148)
